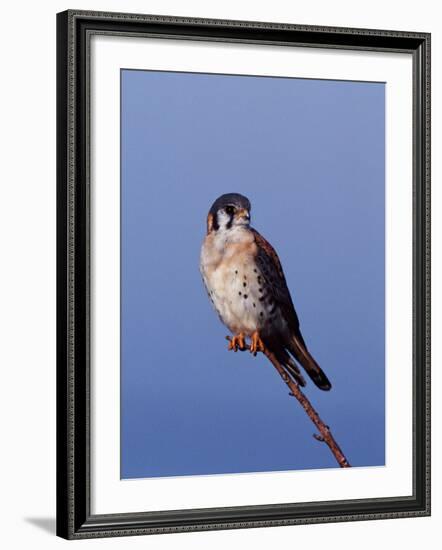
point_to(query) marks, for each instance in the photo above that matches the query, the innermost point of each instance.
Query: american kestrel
(246, 284)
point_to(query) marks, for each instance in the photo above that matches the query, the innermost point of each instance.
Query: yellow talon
(257, 344)
(237, 342)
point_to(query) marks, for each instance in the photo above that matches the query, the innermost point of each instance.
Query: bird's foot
(257, 344)
(237, 342)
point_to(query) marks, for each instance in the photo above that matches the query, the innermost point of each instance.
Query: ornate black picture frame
(74, 518)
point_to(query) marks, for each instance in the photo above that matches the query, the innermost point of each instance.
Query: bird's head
(228, 211)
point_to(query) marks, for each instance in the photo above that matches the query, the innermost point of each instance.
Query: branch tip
(325, 435)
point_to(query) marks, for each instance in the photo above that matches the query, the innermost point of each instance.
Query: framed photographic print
(243, 274)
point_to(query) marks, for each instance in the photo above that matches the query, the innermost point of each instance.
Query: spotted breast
(235, 283)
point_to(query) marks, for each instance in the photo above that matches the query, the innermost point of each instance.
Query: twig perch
(325, 434)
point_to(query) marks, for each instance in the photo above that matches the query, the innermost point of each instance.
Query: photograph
(253, 209)
(243, 229)
(222, 270)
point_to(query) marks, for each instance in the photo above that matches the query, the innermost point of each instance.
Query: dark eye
(229, 210)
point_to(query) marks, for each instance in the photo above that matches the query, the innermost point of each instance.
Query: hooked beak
(243, 214)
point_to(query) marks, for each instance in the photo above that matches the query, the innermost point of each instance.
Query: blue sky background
(309, 154)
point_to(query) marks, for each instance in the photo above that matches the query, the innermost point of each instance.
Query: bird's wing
(271, 268)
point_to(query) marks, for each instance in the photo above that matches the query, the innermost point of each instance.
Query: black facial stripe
(230, 222)
(215, 224)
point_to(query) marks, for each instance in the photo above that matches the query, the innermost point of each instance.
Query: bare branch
(325, 434)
